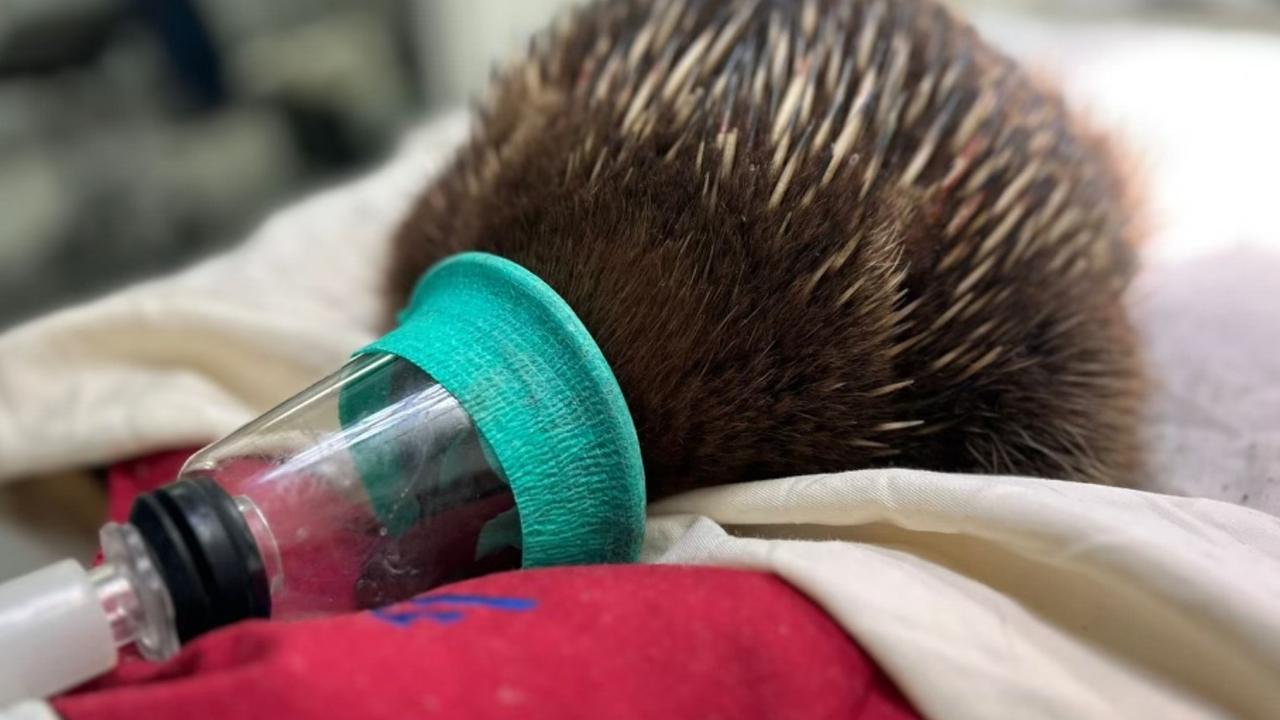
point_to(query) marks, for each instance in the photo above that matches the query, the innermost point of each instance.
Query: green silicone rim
(543, 397)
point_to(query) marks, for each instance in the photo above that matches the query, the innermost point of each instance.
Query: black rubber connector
(205, 553)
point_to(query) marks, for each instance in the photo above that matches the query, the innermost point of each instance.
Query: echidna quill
(810, 236)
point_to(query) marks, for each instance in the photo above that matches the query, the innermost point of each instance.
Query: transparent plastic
(133, 595)
(370, 487)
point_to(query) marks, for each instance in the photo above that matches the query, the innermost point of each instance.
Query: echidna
(810, 236)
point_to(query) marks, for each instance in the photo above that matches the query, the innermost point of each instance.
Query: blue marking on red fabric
(428, 608)
(500, 603)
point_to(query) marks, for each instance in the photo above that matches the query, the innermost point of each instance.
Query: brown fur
(810, 237)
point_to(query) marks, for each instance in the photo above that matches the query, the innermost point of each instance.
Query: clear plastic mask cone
(371, 486)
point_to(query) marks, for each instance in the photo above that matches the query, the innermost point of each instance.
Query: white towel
(994, 597)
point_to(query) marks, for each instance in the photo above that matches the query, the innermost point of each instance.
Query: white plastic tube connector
(54, 633)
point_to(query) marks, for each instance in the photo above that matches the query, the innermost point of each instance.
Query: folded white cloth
(992, 597)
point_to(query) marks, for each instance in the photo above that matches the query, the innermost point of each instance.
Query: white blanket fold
(1014, 597)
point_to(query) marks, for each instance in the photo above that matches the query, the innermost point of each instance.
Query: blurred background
(137, 135)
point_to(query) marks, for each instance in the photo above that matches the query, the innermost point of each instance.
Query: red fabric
(127, 480)
(602, 642)
(614, 641)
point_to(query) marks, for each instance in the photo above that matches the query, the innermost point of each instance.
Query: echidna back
(809, 237)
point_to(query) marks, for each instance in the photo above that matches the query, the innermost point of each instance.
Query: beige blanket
(1012, 597)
